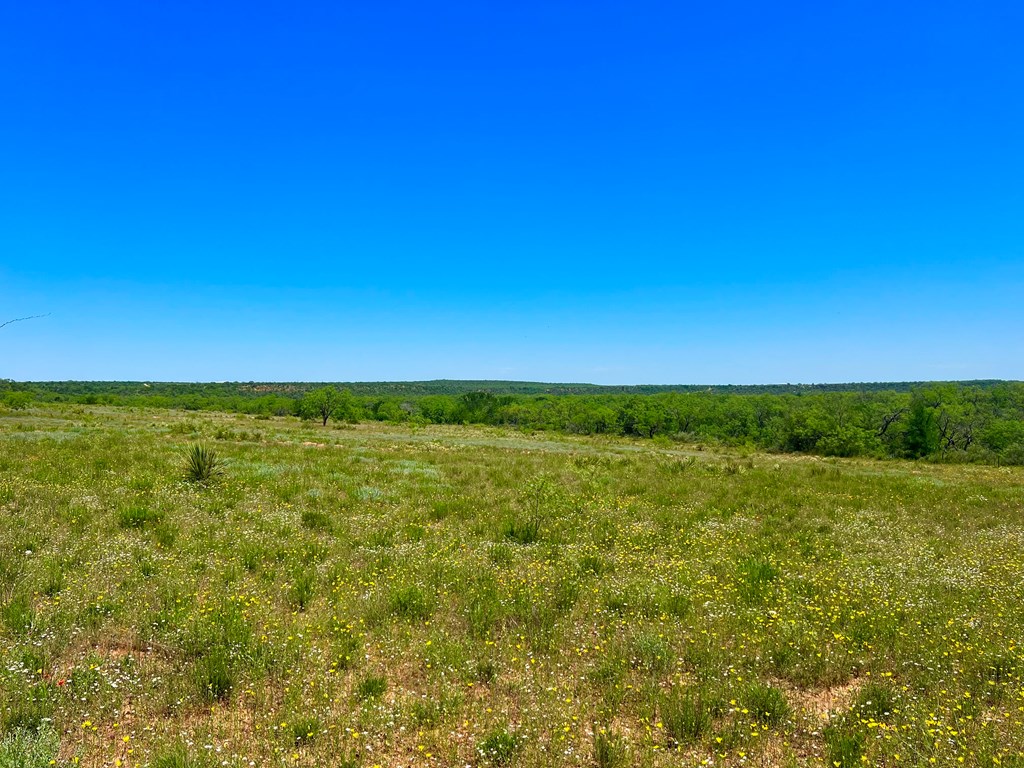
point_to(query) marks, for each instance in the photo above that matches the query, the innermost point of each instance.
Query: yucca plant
(202, 464)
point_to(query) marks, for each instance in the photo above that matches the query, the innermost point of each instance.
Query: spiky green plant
(202, 464)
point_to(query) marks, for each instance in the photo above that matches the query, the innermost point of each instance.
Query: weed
(876, 701)
(179, 756)
(316, 520)
(345, 651)
(17, 615)
(215, 675)
(486, 671)
(756, 574)
(650, 652)
(31, 712)
(300, 593)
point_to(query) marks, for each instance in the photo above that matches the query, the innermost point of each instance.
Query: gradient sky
(631, 192)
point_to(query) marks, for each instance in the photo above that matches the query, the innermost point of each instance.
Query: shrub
(17, 401)
(202, 464)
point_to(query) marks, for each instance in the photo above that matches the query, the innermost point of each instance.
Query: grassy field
(373, 596)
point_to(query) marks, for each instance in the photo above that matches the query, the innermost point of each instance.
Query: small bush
(202, 464)
(17, 401)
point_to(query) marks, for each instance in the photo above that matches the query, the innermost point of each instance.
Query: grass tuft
(371, 687)
(498, 747)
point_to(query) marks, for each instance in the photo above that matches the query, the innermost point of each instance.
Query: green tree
(322, 403)
(921, 436)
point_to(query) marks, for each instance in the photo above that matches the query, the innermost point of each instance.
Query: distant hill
(458, 387)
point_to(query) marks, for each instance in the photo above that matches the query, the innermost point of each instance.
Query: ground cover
(448, 596)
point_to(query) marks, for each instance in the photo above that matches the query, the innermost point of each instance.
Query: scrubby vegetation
(448, 596)
(954, 422)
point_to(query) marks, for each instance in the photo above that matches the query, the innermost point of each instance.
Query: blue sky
(729, 192)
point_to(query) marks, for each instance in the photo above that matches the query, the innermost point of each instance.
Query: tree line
(981, 422)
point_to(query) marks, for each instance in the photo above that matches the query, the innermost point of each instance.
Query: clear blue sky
(718, 192)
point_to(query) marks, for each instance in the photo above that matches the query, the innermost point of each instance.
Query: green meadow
(399, 595)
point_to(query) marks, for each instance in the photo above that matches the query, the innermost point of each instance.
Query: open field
(449, 596)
